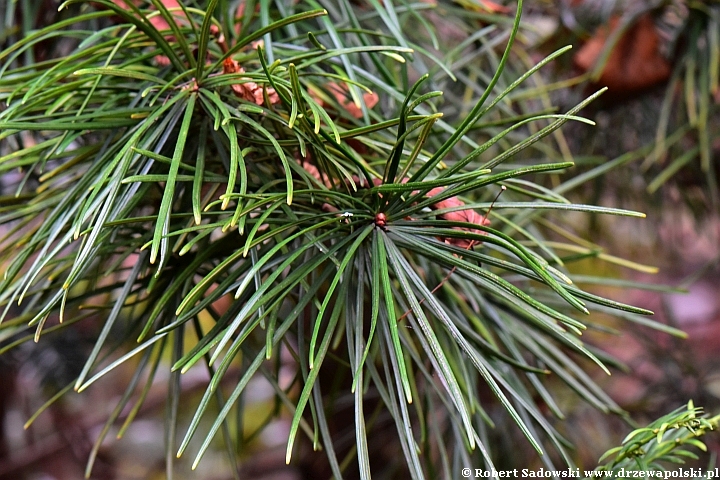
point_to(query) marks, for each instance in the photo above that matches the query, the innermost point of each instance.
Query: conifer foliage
(239, 187)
